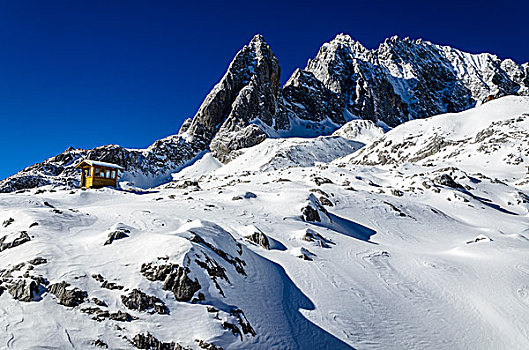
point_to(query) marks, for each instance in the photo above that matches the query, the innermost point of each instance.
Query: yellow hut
(95, 174)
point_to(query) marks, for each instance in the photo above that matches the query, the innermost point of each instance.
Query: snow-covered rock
(493, 136)
(360, 130)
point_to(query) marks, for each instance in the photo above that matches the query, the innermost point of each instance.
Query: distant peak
(258, 38)
(343, 38)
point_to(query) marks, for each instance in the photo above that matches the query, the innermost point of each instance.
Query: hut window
(113, 174)
(108, 174)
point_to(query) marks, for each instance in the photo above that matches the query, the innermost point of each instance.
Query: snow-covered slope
(493, 138)
(392, 259)
(273, 154)
(262, 253)
(364, 131)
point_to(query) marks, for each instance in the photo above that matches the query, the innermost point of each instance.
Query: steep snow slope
(493, 137)
(273, 154)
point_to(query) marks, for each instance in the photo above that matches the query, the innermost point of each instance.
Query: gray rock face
(115, 235)
(245, 97)
(155, 162)
(309, 99)
(259, 238)
(175, 279)
(67, 297)
(21, 239)
(314, 211)
(23, 289)
(407, 79)
(148, 341)
(138, 300)
(446, 180)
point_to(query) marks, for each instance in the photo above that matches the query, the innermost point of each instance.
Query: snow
(105, 164)
(491, 138)
(400, 262)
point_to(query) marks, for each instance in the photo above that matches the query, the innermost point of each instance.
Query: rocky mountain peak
(244, 97)
(401, 80)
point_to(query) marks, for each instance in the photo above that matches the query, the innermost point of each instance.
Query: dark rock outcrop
(174, 278)
(23, 289)
(138, 300)
(66, 296)
(117, 234)
(446, 180)
(314, 211)
(148, 341)
(21, 239)
(38, 261)
(260, 239)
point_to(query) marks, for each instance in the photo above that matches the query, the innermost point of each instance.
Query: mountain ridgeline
(401, 80)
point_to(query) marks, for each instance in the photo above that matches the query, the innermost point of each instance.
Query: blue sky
(88, 73)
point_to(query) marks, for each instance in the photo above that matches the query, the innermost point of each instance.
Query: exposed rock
(122, 316)
(38, 261)
(111, 285)
(117, 234)
(259, 238)
(326, 201)
(247, 195)
(313, 211)
(68, 297)
(21, 239)
(207, 346)
(100, 344)
(313, 236)
(23, 289)
(243, 322)
(98, 302)
(8, 222)
(148, 341)
(396, 193)
(321, 180)
(99, 314)
(138, 300)
(174, 277)
(446, 180)
(237, 263)
(439, 79)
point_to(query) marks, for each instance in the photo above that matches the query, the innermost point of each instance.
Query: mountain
(418, 239)
(401, 80)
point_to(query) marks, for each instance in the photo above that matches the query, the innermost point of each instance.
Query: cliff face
(407, 79)
(245, 97)
(401, 80)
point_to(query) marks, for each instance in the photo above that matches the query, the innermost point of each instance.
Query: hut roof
(98, 163)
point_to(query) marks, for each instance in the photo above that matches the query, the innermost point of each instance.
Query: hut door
(83, 177)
